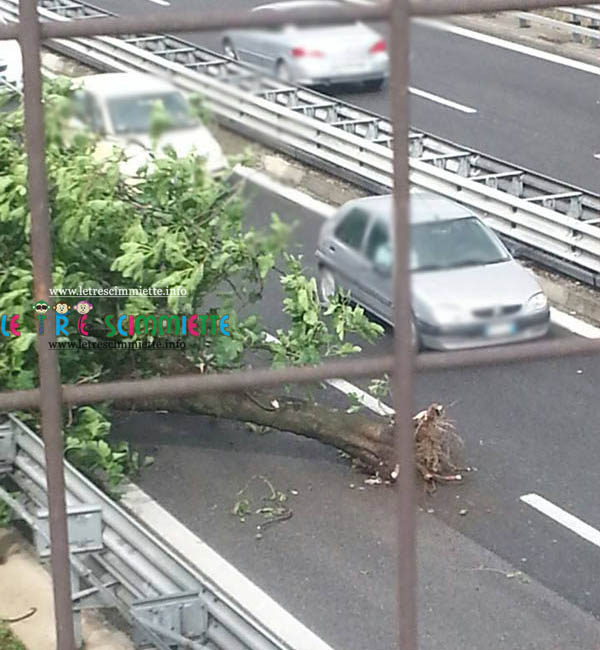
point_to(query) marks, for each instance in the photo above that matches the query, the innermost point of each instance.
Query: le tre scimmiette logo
(64, 318)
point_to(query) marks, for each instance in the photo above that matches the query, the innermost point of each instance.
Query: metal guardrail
(570, 18)
(125, 566)
(554, 223)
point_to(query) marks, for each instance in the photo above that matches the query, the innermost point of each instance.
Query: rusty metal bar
(195, 384)
(236, 382)
(50, 388)
(402, 378)
(195, 21)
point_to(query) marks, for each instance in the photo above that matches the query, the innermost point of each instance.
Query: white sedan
(312, 55)
(119, 107)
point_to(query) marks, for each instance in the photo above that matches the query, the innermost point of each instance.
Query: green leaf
(310, 317)
(23, 342)
(265, 264)
(5, 183)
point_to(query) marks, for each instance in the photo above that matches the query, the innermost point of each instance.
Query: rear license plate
(500, 329)
(353, 68)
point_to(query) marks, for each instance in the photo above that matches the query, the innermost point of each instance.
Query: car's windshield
(134, 114)
(454, 244)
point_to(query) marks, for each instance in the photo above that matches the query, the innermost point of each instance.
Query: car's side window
(351, 230)
(86, 110)
(379, 239)
(79, 105)
(96, 121)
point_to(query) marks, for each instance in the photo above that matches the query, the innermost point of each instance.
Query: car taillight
(301, 51)
(380, 46)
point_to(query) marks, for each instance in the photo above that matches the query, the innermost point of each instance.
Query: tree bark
(369, 440)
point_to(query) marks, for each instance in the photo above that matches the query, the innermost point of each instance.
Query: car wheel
(373, 85)
(283, 72)
(327, 286)
(229, 49)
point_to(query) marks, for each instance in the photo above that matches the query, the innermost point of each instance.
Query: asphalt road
(528, 427)
(530, 112)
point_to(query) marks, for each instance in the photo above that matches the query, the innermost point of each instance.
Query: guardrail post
(464, 167)
(594, 42)
(516, 186)
(524, 22)
(8, 445)
(576, 207)
(77, 631)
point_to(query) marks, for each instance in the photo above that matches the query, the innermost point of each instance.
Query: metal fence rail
(556, 223)
(582, 22)
(125, 566)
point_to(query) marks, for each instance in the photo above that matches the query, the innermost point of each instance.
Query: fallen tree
(369, 440)
(177, 227)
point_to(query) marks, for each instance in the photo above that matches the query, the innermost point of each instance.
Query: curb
(572, 300)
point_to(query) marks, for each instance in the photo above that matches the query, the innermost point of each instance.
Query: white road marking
(563, 517)
(366, 399)
(244, 596)
(508, 45)
(579, 327)
(441, 100)
(162, 3)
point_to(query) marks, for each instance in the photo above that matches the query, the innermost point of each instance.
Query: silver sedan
(467, 289)
(309, 55)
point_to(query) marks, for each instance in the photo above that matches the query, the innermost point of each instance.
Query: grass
(8, 641)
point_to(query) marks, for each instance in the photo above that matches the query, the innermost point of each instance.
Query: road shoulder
(27, 585)
(552, 39)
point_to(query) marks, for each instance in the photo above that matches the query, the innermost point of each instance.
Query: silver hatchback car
(312, 55)
(467, 289)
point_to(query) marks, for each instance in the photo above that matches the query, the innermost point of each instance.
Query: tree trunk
(369, 440)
